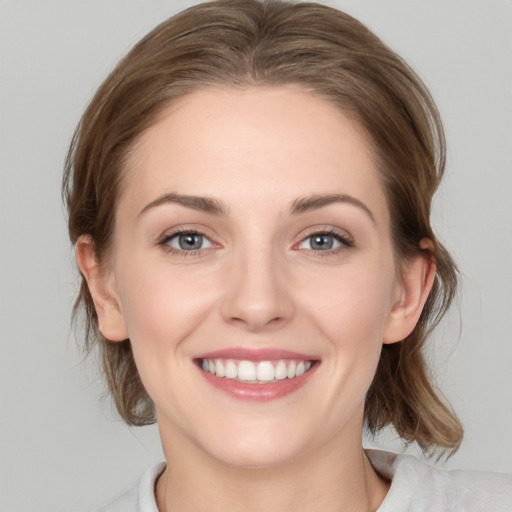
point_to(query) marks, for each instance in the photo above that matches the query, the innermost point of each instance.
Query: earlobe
(106, 302)
(414, 287)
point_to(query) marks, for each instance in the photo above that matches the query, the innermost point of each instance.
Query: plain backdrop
(61, 448)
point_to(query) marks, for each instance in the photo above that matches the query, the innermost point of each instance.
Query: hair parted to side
(241, 43)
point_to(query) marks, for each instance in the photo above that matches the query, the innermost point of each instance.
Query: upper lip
(260, 354)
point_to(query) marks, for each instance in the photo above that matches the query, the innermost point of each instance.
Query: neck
(333, 479)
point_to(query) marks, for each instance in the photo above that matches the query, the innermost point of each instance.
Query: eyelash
(164, 242)
(345, 241)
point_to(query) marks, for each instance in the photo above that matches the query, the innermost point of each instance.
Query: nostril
(255, 322)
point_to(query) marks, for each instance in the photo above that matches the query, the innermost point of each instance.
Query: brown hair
(240, 43)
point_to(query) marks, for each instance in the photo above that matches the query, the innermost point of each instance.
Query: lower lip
(259, 392)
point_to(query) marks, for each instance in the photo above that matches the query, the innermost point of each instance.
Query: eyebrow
(299, 205)
(306, 204)
(202, 204)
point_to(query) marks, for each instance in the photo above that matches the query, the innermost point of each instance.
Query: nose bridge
(256, 295)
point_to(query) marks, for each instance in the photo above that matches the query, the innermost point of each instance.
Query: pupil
(190, 241)
(322, 242)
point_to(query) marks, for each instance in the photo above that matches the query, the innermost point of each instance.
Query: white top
(415, 487)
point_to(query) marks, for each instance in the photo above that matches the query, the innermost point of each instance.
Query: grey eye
(321, 242)
(189, 242)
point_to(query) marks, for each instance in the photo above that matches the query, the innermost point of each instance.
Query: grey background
(62, 449)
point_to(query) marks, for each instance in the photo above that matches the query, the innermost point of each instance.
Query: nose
(257, 293)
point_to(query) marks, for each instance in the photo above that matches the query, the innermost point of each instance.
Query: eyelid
(346, 240)
(184, 229)
(169, 239)
(169, 234)
(325, 229)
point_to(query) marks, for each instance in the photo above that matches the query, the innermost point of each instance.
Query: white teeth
(246, 370)
(290, 372)
(265, 371)
(280, 370)
(219, 369)
(231, 370)
(262, 371)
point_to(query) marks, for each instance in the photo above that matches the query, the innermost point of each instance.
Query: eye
(325, 241)
(186, 241)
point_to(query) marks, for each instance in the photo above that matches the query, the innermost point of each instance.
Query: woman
(249, 194)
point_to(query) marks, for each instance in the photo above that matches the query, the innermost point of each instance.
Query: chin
(258, 448)
(256, 457)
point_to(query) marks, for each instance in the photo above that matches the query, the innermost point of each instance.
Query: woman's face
(252, 239)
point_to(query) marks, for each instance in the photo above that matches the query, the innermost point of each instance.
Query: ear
(102, 288)
(413, 290)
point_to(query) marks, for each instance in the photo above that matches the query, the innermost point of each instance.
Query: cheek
(161, 305)
(345, 311)
(162, 310)
(352, 316)
(352, 307)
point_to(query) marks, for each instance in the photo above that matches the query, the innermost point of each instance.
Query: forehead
(266, 143)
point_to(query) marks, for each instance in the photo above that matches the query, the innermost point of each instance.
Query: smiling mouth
(259, 372)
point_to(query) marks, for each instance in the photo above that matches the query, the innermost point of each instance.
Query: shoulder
(422, 487)
(140, 498)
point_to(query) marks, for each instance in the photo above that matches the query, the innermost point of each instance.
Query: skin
(257, 282)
